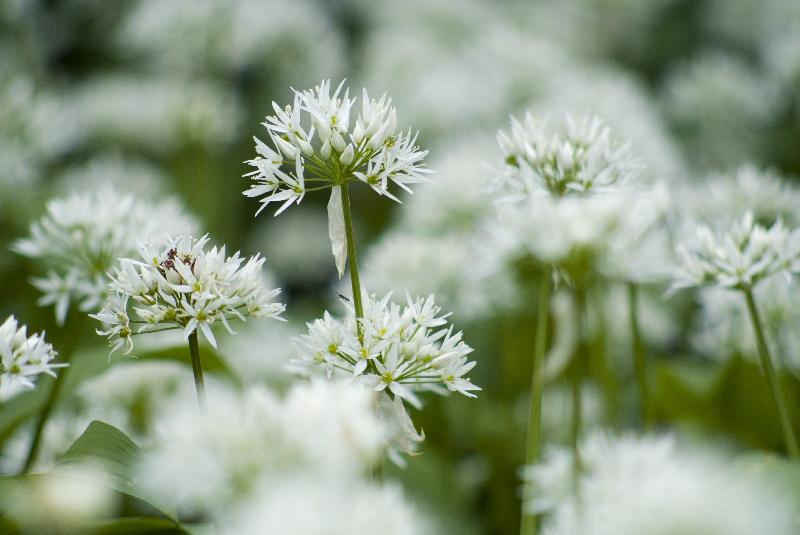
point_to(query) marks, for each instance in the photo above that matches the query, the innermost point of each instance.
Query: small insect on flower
(80, 238)
(22, 358)
(178, 284)
(577, 156)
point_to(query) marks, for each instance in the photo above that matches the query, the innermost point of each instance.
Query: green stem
(639, 357)
(578, 365)
(528, 522)
(197, 368)
(351, 252)
(47, 409)
(789, 438)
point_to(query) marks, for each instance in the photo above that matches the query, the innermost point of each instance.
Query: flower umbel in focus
(738, 259)
(22, 358)
(579, 155)
(398, 350)
(82, 236)
(179, 284)
(316, 146)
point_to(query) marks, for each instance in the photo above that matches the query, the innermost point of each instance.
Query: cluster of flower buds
(577, 157)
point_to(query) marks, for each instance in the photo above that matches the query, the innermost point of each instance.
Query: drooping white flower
(626, 481)
(22, 358)
(576, 156)
(81, 236)
(399, 350)
(178, 284)
(737, 258)
(211, 462)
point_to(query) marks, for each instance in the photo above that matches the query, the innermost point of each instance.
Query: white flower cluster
(316, 445)
(578, 156)
(81, 236)
(402, 350)
(738, 258)
(586, 235)
(22, 358)
(314, 135)
(178, 284)
(627, 479)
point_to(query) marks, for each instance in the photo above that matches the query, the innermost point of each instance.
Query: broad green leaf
(108, 448)
(137, 526)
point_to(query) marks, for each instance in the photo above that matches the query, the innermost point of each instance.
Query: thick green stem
(197, 368)
(578, 372)
(639, 357)
(789, 438)
(528, 522)
(351, 252)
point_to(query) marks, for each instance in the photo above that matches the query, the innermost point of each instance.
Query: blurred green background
(168, 95)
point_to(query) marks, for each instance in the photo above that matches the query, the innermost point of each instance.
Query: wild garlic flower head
(81, 236)
(317, 140)
(210, 462)
(738, 258)
(310, 505)
(399, 350)
(723, 328)
(616, 236)
(22, 358)
(178, 283)
(577, 156)
(627, 479)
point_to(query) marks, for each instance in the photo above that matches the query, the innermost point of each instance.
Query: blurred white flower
(22, 358)
(723, 196)
(737, 258)
(398, 350)
(443, 264)
(178, 284)
(234, 36)
(159, 114)
(576, 156)
(211, 462)
(720, 108)
(310, 505)
(262, 353)
(617, 235)
(81, 236)
(625, 484)
(723, 328)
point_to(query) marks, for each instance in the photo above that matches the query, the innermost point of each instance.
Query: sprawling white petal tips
(336, 229)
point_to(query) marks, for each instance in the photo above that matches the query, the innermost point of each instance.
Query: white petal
(336, 229)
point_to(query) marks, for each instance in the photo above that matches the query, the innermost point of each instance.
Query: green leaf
(137, 526)
(106, 447)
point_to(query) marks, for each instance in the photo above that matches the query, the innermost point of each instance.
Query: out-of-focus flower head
(576, 156)
(624, 483)
(178, 284)
(209, 462)
(81, 236)
(310, 505)
(738, 257)
(22, 358)
(614, 235)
